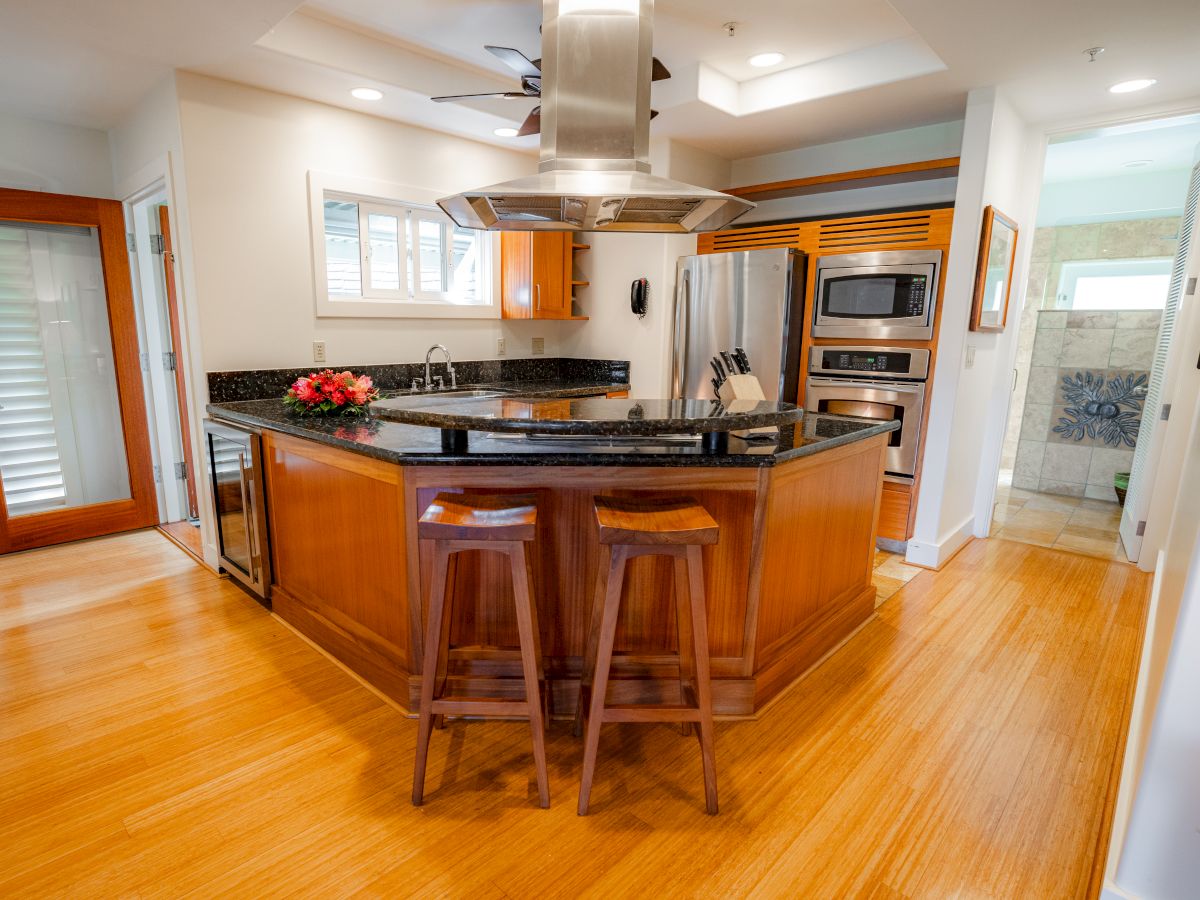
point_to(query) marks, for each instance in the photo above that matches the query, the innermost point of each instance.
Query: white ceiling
(1104, 153)
(86, 63)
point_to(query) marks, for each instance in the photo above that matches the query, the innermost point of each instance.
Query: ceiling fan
(530, 71)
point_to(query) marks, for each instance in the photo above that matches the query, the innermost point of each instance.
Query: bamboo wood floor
(161, 735)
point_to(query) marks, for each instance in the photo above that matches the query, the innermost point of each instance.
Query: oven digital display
(862, 361)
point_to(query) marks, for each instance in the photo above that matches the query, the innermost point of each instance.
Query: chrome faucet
(449, 369)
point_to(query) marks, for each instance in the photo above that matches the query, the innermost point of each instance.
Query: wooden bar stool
(629, 527)
(501, 523)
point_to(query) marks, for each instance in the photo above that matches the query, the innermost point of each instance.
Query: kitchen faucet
(449, 369)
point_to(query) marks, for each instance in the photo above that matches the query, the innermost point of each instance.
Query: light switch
(318, 351)
(970, 359)
(539, 346)
(500, 351)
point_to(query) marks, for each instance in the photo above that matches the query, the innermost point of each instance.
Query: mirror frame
(990, 216)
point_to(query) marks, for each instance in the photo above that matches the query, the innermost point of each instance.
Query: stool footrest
(635, 713)
(481, 706)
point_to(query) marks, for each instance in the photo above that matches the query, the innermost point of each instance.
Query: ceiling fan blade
(532, 123)
(515, 60)
(507, 95)
(658, 72)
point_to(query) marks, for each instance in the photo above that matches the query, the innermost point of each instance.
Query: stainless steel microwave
(877, 296)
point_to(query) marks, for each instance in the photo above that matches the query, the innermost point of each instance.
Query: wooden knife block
(741, 393)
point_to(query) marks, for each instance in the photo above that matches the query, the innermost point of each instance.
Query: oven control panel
(887, 362)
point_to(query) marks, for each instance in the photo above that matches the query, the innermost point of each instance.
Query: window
(376, 255)
(1114, 284)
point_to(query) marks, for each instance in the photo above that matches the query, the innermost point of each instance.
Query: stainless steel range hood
(594, 173)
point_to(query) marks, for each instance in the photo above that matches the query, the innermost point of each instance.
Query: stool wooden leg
(531, 662)
(703, 686)
(615, 579)
(593, 633)
(429, 668)
(683, 625)
(544, 685)
(439, 721)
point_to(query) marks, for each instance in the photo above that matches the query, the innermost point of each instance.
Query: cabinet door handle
(537, 288)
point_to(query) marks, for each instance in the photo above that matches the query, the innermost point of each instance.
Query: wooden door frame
(185, 426)
(141, 509)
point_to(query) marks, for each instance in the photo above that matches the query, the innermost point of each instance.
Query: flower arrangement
(331, 393)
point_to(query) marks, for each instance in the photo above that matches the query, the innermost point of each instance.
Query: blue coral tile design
(1099, 408)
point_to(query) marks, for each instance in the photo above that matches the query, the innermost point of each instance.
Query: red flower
(339, 397)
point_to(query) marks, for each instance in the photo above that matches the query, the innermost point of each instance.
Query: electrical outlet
(539, 346)
(500, 351)
(318, 351)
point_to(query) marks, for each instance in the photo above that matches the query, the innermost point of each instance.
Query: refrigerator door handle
(683, 299)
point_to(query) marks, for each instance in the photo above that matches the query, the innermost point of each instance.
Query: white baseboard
(934, 555)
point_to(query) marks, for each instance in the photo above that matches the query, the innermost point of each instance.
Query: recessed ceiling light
(505, 132)
(366, 94)
(1137, 84)
(1138, 163)
(762, 60)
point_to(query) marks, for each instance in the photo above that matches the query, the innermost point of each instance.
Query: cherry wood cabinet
(788, 581)
(537, 274)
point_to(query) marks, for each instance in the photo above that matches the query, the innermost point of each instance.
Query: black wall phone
(639, 294)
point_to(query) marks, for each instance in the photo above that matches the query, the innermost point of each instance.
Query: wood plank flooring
(161, 735)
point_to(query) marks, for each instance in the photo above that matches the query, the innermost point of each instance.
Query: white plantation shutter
(1137, 502)
(30, 465)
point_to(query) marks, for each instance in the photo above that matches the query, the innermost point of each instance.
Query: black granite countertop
(590, 416)
(419, 445)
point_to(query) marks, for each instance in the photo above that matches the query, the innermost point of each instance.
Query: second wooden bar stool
(635, 526)
(503, 523)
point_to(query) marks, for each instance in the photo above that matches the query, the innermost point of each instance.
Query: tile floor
(891, 574)
(1078, 524)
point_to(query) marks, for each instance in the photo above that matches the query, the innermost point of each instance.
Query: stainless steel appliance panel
(883, 400)
(752, 299)
(885, 295)
(235, 469)
(869, 361)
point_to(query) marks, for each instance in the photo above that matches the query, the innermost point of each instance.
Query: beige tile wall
(1132, 239)
(1107, 344)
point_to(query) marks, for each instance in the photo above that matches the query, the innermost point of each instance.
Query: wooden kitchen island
(789, 580)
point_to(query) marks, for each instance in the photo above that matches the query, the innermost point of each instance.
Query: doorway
(1095, 321)
(75, 458)
(152, 258)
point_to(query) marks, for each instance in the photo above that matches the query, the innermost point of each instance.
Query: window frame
(405, 202)
(1074, 269)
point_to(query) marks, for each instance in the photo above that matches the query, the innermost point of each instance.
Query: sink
(434, 398)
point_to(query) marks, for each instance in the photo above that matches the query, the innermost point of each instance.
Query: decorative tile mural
(1083, 401)
(1099, 408)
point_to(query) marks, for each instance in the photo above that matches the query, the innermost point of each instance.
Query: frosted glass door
(75, 456)
(61, 440)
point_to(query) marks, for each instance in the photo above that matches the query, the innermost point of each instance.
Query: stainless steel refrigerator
(752, 299)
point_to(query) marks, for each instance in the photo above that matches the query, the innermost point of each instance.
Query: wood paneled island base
(789, 580)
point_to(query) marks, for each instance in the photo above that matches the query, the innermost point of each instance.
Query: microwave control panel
(915, 305)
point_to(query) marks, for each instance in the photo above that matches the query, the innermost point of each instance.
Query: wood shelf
(580, 283)
(581, 246)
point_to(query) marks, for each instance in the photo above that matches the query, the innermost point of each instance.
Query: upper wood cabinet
(536, 274)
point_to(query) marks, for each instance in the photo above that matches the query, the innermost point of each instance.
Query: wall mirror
(993, 278)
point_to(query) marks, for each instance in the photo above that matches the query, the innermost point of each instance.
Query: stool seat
(654, 520)
(479, 517)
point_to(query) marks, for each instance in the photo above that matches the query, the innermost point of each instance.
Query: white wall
(1001, 166)
(1148, 195)
(247, 153)
(59, 159)
(613, 332)
(890, 148)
